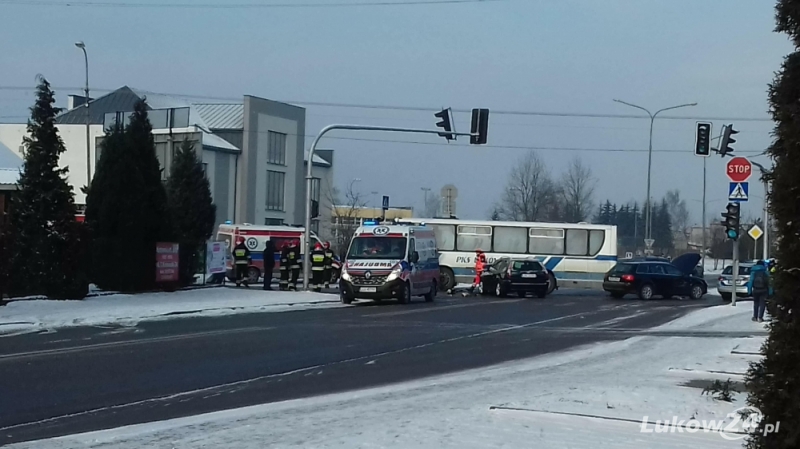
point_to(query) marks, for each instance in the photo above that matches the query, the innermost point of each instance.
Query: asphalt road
(84, 379)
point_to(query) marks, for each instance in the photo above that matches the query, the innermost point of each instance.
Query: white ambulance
(256, 237)
(390, 261)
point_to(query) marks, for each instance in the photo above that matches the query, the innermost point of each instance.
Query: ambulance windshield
(377, 248)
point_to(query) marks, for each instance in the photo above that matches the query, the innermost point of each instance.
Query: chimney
(73, 101)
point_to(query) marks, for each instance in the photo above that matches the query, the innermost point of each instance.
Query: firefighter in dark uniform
(317, 268)
(241, 261)
(328, 271)
(269, 264)
(284, 266)
(294, 263)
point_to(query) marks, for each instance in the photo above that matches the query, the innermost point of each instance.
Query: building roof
(318, 161)
(215, 141)
(122, 99)
(221, 115)
(9, 176)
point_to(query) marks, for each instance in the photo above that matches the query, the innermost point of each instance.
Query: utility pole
(425, 191)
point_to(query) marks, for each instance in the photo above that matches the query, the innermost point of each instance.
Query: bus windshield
(377, 248)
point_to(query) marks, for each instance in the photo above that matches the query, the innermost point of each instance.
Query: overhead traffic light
(727, 140)
(446, 123)
(480, 126)
(731, 221)
(702, 145)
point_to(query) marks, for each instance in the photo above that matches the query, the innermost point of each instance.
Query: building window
(275, 190)
(276, 148)
(273, 221)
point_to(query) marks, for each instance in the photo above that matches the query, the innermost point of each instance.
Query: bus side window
(471, 238)
(445, 236)
(596, 240)
(577, 242)
(546, 241)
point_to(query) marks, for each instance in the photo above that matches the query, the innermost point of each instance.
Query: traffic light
(731, 221)
(702, 145)
(480, 126)
(446, 123)
(727, 140)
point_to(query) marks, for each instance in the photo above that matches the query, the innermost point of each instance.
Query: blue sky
(526, 55)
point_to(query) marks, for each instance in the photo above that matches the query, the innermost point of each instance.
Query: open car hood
(687, 262)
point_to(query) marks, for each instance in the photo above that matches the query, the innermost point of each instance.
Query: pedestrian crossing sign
(738, 191)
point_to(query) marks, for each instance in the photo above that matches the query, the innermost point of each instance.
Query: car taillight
(627, 278)
(721, 279)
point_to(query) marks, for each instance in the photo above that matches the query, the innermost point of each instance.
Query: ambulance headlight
(397, 271)
(345, 275)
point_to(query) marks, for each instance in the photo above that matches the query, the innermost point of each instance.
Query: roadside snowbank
(127, 310)
(509, 405)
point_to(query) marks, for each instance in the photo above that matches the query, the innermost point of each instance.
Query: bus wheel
(253, 274)
(447, 279)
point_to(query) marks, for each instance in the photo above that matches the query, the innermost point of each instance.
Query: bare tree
(433, 206)
(346, 212)
(577, 191)
(678, 212)
(527, 191)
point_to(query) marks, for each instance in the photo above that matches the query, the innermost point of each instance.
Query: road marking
(112, 344)
(438, 308)
(309, 369)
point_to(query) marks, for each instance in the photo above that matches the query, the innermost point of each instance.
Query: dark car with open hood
(649, 278)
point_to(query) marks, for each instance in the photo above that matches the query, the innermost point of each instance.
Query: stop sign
(739, 169)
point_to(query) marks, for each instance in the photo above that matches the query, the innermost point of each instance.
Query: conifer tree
(47, 255)
(774, 381)
(191, 209)
(126, 207)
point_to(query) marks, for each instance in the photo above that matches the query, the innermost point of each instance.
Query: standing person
(328, 271)
(760, 289)
(284, 267)
(294, 263)
(480, 265)
(317, 267)
(241, 262)
(269, 264)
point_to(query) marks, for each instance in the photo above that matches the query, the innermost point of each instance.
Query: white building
(253, 151)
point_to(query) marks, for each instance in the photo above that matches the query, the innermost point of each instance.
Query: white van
(397, 261)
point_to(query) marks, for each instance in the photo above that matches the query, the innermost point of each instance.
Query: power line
(294, 5)
(429, 109)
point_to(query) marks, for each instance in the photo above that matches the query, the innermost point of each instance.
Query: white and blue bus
(578, 254)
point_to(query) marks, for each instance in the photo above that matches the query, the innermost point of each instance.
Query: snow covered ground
(529, 403)
(39, 315)
(710, 268)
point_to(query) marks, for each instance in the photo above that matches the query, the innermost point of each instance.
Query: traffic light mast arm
(309, 177)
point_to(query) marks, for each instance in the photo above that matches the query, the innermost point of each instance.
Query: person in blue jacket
(759, 288)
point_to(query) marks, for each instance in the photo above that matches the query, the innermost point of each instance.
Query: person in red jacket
(480, 264)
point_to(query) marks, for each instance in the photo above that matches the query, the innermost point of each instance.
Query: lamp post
(82, 46)
(648, 231)
(425, 200)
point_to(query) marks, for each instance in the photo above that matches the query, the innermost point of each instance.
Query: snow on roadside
(128, 310)
(625, 379)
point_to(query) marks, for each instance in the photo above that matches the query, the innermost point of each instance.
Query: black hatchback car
(656, 278)
(517, 275)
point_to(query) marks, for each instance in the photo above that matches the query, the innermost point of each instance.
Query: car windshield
(743, 271)
(377, 248)
(623, 268)
(527, 265)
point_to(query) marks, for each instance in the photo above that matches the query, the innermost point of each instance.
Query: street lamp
(82, 46)
(648, 231)
(425, 201)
